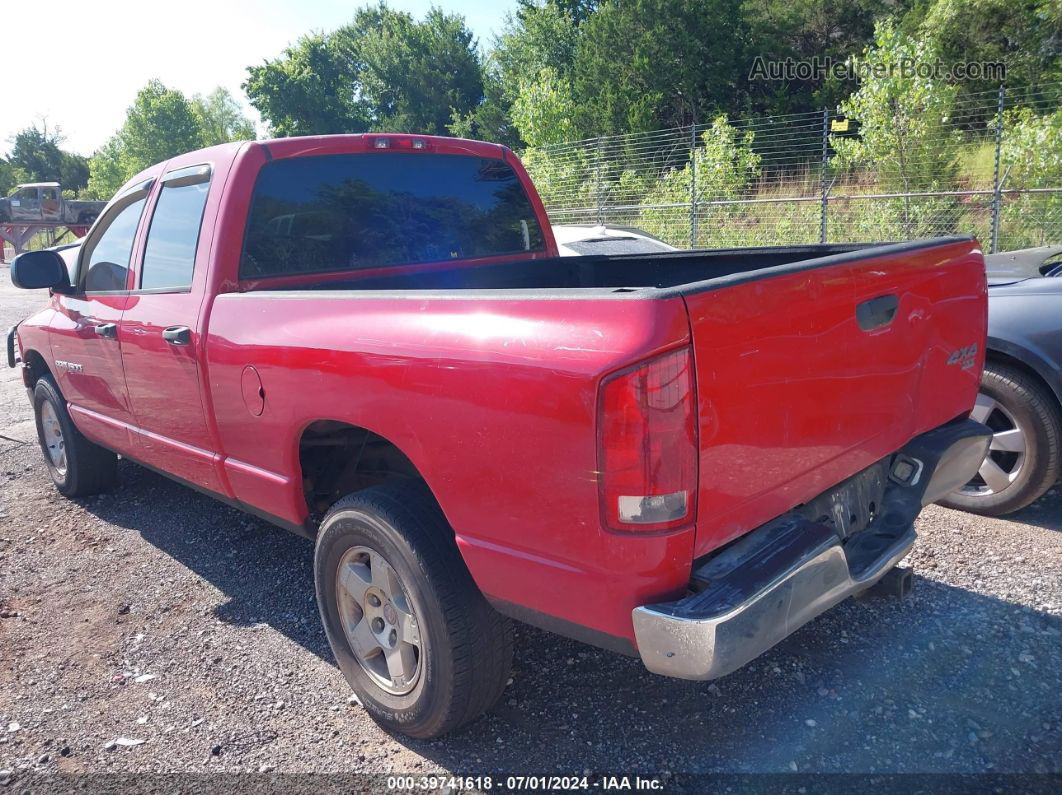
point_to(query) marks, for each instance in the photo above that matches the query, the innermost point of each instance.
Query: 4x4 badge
(964, 357)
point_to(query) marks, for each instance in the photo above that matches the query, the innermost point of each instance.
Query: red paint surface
(495, 399)
(794, 397)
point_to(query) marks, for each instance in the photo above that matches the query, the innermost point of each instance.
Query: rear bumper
(778, 577)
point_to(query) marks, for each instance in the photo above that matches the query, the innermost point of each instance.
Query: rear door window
(343, 212)
(169, 254)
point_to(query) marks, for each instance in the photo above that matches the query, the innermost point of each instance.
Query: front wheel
(412, 634)
(1026, 451)
(78, 467)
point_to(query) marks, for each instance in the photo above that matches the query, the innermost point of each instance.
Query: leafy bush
(1032, 158)
(725, 165)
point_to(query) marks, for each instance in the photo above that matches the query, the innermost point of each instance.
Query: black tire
(1036, 412)
(89, 468)
(466, 647)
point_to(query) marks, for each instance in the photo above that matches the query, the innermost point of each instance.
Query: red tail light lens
(647, 443)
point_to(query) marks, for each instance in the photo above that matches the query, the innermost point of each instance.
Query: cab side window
(105, 262)
(169, 255)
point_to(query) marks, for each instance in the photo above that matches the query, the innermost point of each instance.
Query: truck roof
(39, 185)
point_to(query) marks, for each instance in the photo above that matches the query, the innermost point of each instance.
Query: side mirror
(34, 270)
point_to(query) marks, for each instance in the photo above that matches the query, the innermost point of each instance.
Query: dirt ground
(153, 629)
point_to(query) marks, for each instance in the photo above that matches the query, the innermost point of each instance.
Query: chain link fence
(991, 168)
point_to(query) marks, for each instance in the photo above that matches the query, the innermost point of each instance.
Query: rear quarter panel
(493, 399)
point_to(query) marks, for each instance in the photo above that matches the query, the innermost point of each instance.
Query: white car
(576, 240)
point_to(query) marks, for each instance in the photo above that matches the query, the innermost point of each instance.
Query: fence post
(996, 186)
(600, 185)
(693, 185)
(824, 200)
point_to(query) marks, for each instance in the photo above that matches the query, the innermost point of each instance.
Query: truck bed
(665, 274)
(812, 362)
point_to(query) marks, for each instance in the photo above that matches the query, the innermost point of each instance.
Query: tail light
(647, 445)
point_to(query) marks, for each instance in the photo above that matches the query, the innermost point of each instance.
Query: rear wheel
(412, 634)
(1024, 457)
(78, 467)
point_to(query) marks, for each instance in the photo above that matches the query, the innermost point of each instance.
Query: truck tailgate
(808, 373)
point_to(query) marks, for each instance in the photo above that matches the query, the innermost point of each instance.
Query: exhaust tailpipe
(897, 583)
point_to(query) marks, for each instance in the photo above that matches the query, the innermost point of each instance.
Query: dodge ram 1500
(370, 340)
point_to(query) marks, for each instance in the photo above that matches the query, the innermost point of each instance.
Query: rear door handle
(107, 330)
(877, 312)
(177, 335)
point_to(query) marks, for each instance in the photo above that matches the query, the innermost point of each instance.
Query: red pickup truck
(370, 340)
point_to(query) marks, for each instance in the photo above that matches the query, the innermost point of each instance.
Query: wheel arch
(36, 365)
(339, 457)
(1028, 363)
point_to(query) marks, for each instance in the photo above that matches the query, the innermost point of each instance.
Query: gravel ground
(158, 616)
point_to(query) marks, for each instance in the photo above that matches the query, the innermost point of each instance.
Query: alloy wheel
(1006, 454)
(378, 620)
(54, 444)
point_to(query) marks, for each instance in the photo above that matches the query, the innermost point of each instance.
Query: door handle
(877, 312)
(177, 335)
(107, 330)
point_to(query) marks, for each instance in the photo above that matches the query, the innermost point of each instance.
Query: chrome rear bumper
(778, 577)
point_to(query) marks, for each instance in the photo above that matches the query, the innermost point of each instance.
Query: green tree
(907, 139)
(35, 152)
(1032, 156)
(417, 76)
(311, 89)
(647, 64)
(160, 124)
(73, 172)
(383, 71)
(9, 177)
(220, 118)
(107, 172)
(544, 111)
(804, 30)
(1025, 35)
(725, 166)
(539, 38)
(491, 119)
(37, 156)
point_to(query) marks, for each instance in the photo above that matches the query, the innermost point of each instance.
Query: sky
(80, 64)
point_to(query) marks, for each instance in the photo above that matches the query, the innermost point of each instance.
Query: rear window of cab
(325, 213)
